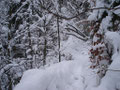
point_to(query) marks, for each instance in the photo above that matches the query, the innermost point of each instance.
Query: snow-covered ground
(72, 74)
(63, 76)
(67, 75)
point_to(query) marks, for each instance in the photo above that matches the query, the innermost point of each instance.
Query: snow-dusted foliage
(36, 34)
(103, 19)
(111, 80)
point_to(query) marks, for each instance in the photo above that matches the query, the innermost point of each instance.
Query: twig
(77, 31)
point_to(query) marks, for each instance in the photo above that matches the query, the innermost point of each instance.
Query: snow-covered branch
(75, 16)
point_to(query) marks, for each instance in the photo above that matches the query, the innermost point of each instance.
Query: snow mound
(66, 75)
(113, 38)
(62, 76)
(111, 81)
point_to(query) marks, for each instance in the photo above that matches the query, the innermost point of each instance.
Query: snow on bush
(111, 81)
(112, 38)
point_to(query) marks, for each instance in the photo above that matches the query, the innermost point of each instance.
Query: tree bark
(45, 45)
(58, 28)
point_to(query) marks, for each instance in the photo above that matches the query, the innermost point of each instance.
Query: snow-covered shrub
(103, 20)
(111, 81)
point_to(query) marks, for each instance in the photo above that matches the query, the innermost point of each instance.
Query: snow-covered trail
(67, 75)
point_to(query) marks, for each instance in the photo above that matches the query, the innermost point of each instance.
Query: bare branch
(84, 39)
(70, 29)
(76, 30)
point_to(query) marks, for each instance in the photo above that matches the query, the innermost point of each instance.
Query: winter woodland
(59, 44)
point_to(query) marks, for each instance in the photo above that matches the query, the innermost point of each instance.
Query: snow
(106, 22)
(66, 75)
(61, 76)
(111, 81)
(74, 47)
(75, 74)
(117, 11)
(113, 38)
(94, 15)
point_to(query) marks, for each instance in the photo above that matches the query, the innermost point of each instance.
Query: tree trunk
(30, 46)
(58, 39)
(45, 45)
(45, 48)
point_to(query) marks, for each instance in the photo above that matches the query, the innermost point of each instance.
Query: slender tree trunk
(58, 28)
(30, 45)
(45, 48)
(45, 45)
(10, 85)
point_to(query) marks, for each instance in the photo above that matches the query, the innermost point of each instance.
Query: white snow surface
(61, 76)
(74, 74)
(66, 75)
(113, 38)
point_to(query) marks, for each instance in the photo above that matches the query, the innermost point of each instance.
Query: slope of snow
(61, 76)
(66, 75)
(75, 47)
(74, 74)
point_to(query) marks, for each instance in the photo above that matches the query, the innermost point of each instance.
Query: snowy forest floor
(66, 75)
